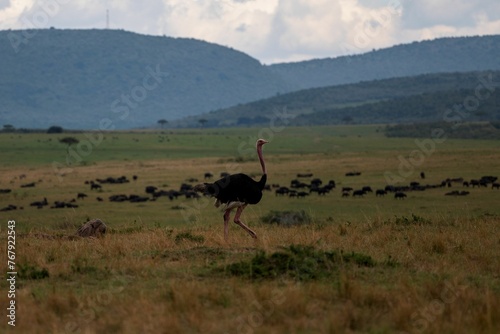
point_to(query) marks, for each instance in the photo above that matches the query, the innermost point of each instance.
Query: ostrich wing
(234, 188)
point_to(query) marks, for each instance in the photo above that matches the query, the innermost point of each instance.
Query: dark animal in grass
(358, 193)
(9, 207)
(399, 195)
(81, 196)
(380, 192)
(236, 191)
(208, 176)
(40, 204)
(495, 185)
(367, 189)
(92, 228)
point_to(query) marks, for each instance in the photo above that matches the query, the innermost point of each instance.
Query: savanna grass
(428, 263)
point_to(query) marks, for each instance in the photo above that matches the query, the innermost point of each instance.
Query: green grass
(359, 265)
(328, 152)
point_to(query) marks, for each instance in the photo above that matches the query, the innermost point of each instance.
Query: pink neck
(259, 153)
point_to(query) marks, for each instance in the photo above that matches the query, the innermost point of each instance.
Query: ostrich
(237, 191)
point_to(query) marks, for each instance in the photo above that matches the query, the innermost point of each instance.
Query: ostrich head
(261, 142)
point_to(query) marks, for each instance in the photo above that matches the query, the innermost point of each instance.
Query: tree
(202, 122)
(162, 122)
(55, 129)
(8, 128)
(69, 141)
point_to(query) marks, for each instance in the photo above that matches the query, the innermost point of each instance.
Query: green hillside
(397, 100)
(91, 79)
(76, 78)
(457, 54)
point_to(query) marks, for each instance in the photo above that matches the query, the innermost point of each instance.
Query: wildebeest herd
(301, 189)
(297, 188)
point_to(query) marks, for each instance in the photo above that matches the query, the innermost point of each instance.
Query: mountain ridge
(78, 78)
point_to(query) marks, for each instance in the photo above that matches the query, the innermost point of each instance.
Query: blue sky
(269, 30)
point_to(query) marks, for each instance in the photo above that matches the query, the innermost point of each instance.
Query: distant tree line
(479, 130)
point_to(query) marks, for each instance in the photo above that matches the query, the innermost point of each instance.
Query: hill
(457, 54)
(76, 78)
(399, 100)
(87, 79)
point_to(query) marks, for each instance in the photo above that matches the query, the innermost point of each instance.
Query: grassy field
(429, 263)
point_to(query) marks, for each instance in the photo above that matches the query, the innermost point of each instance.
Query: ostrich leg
(226, 223)
(238, 221)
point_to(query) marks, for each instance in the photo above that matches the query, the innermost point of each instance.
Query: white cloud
(271, 30)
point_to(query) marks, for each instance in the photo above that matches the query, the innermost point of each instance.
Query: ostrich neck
(261, 159)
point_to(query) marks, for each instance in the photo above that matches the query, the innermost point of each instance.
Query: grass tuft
(298, 262)
(287, 218)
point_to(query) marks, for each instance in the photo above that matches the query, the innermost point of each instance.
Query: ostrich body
(237, 191)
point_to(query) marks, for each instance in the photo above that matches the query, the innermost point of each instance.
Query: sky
(271, 31)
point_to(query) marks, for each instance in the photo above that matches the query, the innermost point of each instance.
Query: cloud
(271, 30)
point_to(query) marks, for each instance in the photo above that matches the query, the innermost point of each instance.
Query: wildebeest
(208, 176)
(380, 192)
(81, 196)
(40, 204)
(302, 194)
(281, 191)
(495, 185)
(400, 195)
(9, 207)
(358, 193)
(367, 189)
(304, 175)
(457, 193)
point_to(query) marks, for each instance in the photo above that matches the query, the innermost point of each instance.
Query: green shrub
(287, 218)
(188, 236)
(298, 262)
(28, 271)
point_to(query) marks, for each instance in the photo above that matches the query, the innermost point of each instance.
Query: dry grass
(160, 270)
(439, 277)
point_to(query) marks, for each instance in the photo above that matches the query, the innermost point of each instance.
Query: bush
(28, 271)
(188, 236)
(55, 129)
(287, 218)
(298, 262)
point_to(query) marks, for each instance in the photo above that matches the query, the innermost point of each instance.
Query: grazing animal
(81, 195)
(208, 176)
(400, 195)
(495, 185)
(380, 192)
(237, 191)
(358, 193)
(40, 204)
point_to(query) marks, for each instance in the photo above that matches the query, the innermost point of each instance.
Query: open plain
(426, 263)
